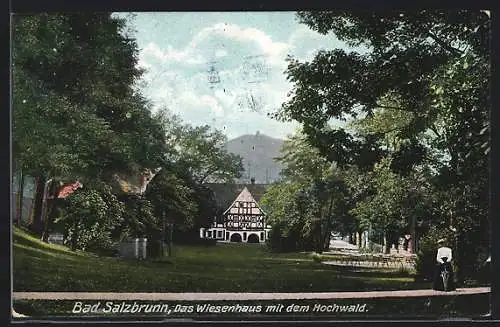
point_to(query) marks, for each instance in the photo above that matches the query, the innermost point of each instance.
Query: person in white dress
(444, 258)
(443, 252)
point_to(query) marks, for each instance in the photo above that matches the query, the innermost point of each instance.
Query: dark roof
(225, 194)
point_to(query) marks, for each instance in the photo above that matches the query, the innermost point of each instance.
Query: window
(209, 233)
(262, 236)
(219, 234)
(244, 236)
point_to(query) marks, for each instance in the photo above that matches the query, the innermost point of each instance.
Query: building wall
(27, 198)
(26, 211)
(223, 235)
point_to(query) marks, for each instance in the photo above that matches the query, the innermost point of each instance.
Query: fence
(375, 260)
(56, 238)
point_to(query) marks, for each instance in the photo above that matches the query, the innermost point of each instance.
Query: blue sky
(245, 52)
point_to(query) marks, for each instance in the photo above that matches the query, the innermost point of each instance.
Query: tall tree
(432, 64)
(319, 202)
(76, 112)
(203, 153)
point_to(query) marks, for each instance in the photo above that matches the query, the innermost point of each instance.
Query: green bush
(191, 237)
(88, 221)
(281, 239)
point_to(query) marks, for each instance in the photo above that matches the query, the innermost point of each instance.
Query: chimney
(252, 180)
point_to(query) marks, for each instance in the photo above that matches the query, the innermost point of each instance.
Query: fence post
(135, 245)
(142, 248)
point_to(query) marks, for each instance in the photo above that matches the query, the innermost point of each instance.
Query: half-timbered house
(242, 221)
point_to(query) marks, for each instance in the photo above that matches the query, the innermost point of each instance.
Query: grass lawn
(222, 268)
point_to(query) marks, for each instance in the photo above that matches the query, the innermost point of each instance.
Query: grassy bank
(223, 268)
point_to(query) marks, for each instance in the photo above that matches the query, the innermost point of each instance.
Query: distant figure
(444, 269)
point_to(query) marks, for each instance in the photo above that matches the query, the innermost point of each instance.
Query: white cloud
(191, 54)
(213, 104)
(274, 50)
(310, 55)
(143, 64)
(172, 55)
(221, 53)
(202, 105)
(178, 80)
(303, 33)
(227, 98)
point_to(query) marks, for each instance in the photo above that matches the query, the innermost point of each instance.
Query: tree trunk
(170, 236)
(50, 204)
(36, 224)
(413, 234)
(457, 256)
(74, 239)
(164, 234)
(327, 225)
(386, 244)
(48, 219)
(327, 241)
(20, 197)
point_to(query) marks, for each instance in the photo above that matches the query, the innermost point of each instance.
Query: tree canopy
(78, 115)
(411, 107)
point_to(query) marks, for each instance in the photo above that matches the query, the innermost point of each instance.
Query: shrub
(88, 222)
(192, 237)
(283, 240)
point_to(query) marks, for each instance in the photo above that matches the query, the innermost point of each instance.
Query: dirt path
(238, 296)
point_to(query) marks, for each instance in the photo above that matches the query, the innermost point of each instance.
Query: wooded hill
(258, 152)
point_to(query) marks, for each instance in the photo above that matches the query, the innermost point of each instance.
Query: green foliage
(195, 155)
(172, 198)
(89, 220)
(139, 219)
(284, 238)
(203, 154)
(387, 202)
(67, 95)
(115, 208)
(311, 202)
(285, 217)
(414, 91)
(77, 114)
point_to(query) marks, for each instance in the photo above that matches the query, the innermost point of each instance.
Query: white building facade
(243, 222)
